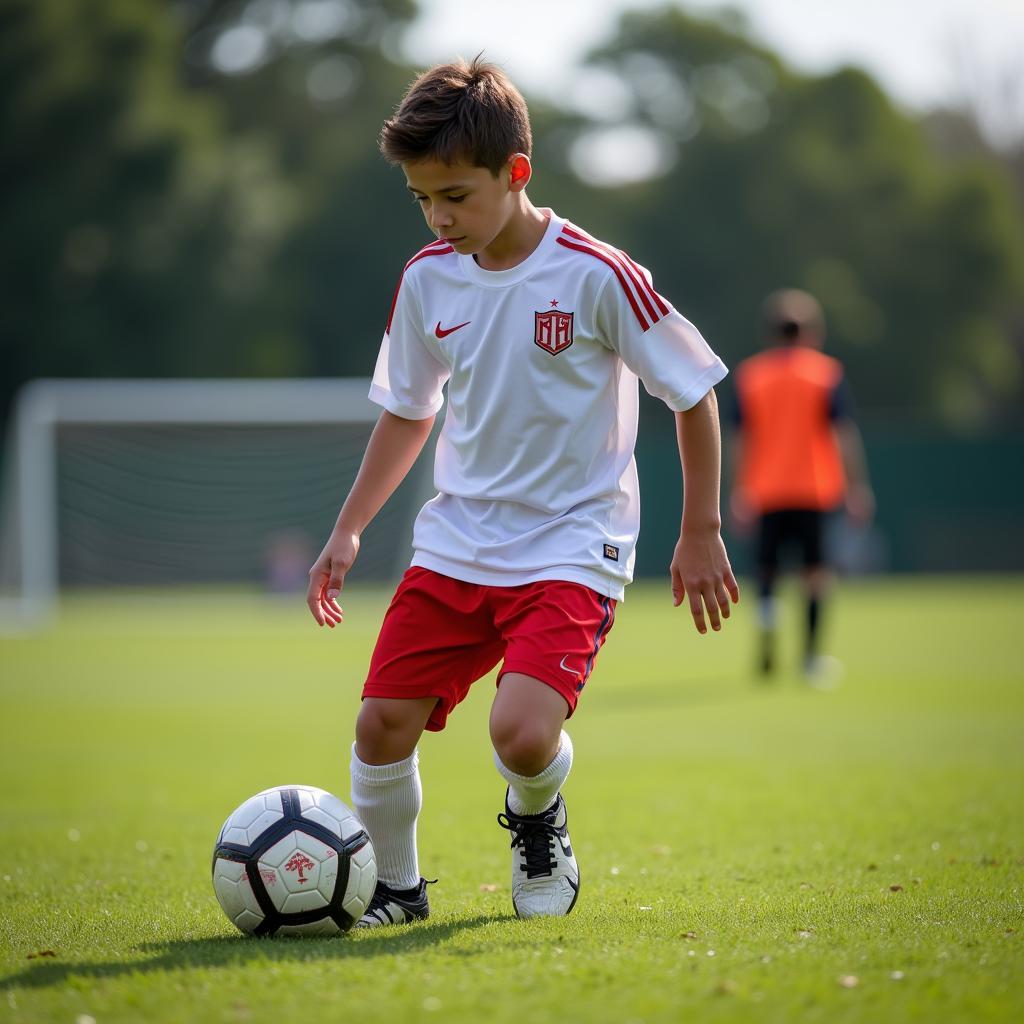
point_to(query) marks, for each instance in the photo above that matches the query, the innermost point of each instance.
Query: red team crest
(552, 331)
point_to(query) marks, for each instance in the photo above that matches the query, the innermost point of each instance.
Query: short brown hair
(459, 111)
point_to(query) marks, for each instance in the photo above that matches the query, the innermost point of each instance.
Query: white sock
(387, 798)
(532, 794)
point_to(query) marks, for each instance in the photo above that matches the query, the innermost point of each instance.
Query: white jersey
(534, 465)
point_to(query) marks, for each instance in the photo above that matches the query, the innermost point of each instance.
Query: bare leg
(387, 730)
(526, 723)
(767, 614)
(817, 582)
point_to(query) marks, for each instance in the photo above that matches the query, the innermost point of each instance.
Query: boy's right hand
(327, 577)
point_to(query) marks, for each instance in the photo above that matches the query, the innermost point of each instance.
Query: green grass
(742, 847)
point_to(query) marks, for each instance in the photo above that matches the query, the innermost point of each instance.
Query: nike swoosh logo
(565, 668)
(442, 332)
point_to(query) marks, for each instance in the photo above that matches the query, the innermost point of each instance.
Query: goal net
(141, 483)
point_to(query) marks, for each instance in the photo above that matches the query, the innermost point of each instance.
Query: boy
(539, 332)
(799, 455)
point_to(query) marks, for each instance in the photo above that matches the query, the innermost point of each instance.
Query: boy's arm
(743, 514)
(392, 449)
(860, 499)
(700, 566)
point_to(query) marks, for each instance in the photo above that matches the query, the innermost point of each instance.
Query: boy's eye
(423, 199)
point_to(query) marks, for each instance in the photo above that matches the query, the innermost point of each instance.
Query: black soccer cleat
(397, 906)
(545, 877)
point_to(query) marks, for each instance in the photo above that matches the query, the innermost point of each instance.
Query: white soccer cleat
(545, 878)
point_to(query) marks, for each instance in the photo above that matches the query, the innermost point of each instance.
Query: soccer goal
(145, 483)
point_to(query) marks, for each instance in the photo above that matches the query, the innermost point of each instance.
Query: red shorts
(440, 635)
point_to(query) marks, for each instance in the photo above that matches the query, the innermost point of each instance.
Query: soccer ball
(294, 860)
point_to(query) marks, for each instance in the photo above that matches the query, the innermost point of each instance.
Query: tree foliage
(115, 208)
(818, 182)
(194, 189)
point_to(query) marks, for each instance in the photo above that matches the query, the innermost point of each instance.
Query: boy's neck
(519, 237)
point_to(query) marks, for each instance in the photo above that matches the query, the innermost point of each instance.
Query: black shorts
(801, 527)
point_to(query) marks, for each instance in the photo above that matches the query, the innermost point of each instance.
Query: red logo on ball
(300, 862)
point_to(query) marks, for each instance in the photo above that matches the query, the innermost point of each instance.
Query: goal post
(147, 482)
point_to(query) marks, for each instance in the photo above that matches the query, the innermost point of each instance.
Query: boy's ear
(520, 171)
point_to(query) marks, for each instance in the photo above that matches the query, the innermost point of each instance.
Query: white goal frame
(29, 536)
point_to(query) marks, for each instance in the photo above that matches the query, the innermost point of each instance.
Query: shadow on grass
(238, 951)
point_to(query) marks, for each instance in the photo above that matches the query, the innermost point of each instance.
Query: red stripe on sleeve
(434, 249)
(614, 254)
(661, 302)
(598, 254)
(648, 295)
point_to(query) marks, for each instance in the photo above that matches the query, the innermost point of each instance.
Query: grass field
(748, 853)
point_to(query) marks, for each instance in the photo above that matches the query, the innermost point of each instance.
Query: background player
(539, 331)
(798, 455)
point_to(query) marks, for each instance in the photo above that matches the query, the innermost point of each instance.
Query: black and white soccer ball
(294, 860)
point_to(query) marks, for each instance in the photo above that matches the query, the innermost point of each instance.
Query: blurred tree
(194, 188)
(985, 126)
(308, 82)
(190, 189)
(123, 240)
(768, 178)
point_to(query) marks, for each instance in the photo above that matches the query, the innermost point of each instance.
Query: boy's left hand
(701, 571)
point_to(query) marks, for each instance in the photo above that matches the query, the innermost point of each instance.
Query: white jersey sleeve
(408, 378)
(654, 340)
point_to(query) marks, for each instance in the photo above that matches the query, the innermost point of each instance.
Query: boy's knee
(525, 747)
(388, 730)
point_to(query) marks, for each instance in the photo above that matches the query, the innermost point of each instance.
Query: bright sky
(923, 52)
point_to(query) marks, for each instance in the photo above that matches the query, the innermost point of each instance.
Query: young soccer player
(798, 456)
(540, 332)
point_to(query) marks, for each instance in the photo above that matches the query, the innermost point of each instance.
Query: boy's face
(462, 204)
